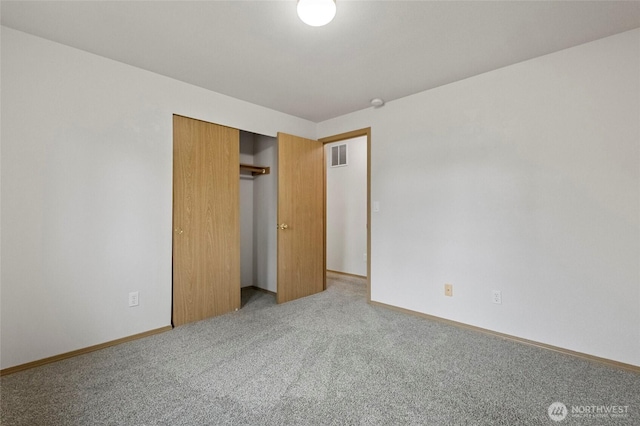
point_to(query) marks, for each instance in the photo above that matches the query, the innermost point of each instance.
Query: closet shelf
(255, 170)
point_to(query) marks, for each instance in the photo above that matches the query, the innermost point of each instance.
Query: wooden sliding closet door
(301, 264)
(206, 237)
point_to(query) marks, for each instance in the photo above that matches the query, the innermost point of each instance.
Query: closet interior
(258, 211)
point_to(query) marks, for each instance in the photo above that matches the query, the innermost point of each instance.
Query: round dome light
(316, 12)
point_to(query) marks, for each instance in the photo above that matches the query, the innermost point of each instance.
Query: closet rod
(255, 170)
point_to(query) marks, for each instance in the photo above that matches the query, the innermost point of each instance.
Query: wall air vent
(339, 155)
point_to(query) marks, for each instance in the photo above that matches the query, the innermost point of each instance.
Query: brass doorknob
(179, 231)
(283, 226)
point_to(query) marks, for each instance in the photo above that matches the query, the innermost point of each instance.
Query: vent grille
(339, 155)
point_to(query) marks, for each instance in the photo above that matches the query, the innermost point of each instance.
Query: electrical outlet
(497, 297)
(448, 290)
(133, 298)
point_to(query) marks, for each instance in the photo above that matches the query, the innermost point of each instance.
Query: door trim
(337, 138)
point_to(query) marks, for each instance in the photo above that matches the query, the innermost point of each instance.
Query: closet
(258, 211)
(247, 210)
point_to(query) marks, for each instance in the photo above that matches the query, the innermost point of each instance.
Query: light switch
(376, 206)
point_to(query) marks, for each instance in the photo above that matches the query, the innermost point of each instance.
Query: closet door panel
(301, 269)
(206, 238)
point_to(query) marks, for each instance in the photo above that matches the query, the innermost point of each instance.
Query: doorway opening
(258, 214)
(347, 204)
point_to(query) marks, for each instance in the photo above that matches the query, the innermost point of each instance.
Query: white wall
(246, 211)
(525, 179)
(347, 209)
(87, 190)
(265, 201)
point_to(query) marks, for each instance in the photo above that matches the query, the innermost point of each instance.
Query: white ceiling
(259, 51)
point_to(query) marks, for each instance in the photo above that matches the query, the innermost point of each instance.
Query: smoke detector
(377, 102)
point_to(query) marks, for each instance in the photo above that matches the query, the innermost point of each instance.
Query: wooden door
(301, 264)
(206, 237)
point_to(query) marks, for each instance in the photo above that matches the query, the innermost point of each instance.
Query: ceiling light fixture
(316, 12)
(377, 102)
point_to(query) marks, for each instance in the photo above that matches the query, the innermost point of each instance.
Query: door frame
(337, 138)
